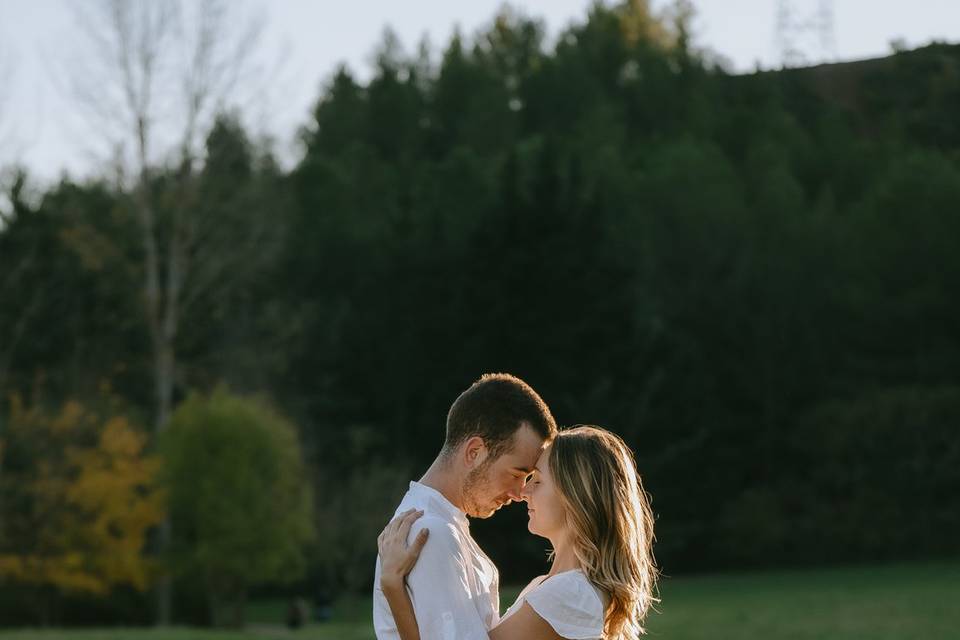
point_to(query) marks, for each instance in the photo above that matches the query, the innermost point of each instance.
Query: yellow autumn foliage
(638, 23)
(78, 497)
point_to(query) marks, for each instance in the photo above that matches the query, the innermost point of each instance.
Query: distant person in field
(584, 495)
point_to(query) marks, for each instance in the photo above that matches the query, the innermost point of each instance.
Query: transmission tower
(805, 32)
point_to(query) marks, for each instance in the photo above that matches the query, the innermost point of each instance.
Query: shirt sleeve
(439, 586)
(569, 604)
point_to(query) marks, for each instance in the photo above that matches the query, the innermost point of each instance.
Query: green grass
(879, 603)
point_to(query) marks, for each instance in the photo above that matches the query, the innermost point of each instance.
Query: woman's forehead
(543, 462)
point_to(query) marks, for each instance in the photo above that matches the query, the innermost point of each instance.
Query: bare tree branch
(164, 68)
(159, 74)
(7, 81)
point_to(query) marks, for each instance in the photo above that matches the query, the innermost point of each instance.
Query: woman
(586, 497)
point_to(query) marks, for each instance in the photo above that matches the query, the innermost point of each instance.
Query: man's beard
(473, 489)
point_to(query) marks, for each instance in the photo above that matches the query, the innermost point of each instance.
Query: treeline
(752, 278)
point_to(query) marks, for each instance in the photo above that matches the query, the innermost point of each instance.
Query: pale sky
(38, 126)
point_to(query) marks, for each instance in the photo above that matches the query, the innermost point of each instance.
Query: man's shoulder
(440, 528)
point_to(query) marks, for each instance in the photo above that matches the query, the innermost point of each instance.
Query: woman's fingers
(395, 524)
(419, 542)
(398, 522)
(397, 557)
(407, 521)
(400, 526)
(398, 529)
(387, 531)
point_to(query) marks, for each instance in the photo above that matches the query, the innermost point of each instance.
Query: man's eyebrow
(526, 471)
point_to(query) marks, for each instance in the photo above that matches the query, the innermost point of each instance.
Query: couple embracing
(583, 494)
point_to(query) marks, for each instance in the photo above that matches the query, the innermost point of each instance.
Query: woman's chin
(532, 528)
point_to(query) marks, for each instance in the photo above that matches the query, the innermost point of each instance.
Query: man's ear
(474, 452)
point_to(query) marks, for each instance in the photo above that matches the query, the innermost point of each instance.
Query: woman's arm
(525, 624)
(402, 609)
(396, 561)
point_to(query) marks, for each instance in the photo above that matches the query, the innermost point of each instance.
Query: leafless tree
(157, 74)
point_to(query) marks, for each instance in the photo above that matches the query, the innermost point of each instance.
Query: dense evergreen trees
(752, 278)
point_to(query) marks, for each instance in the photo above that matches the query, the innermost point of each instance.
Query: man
(496, 431)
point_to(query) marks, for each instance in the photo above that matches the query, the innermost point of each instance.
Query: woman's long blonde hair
(611, 523)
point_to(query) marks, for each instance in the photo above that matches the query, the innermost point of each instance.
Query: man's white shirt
(454, 585)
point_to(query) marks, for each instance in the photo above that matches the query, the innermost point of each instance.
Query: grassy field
(879, 603)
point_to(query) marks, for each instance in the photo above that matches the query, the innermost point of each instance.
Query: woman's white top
(568, 602)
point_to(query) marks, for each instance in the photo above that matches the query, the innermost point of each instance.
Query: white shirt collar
(439, 502)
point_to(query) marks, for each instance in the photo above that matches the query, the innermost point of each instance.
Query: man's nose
(516, 490)
(525, 492)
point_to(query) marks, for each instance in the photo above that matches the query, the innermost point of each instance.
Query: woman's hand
(396, 558)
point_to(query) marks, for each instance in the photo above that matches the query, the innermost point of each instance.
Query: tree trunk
(162, 331)
(164, 371)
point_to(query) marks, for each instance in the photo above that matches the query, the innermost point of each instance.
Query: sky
(307, 39)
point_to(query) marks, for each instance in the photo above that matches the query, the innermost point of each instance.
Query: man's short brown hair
(494, 407)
